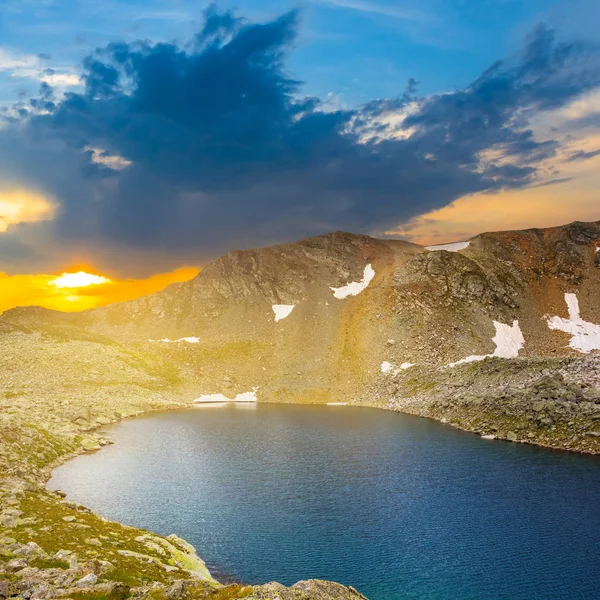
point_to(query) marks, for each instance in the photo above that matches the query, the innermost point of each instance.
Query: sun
(78, 280)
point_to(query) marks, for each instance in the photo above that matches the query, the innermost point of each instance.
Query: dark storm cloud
(226, 152)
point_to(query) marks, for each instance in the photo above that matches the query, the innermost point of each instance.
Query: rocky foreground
(499, 336)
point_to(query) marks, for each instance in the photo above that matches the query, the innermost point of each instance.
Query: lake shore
(51, 547)
(59, 395)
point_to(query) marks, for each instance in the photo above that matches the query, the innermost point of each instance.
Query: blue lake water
(399, 507)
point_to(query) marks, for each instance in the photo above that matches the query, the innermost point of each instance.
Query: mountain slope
(424, 308)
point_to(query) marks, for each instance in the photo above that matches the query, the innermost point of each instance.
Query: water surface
(401, 508)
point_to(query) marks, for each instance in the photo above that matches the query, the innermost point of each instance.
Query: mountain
(427, 308)
(498, 335)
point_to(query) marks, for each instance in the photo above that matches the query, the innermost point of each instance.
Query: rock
(593, 433)
(6, 589)
(538, 406)
(16, 564)
(93, 542)
(42, 592)
(90, 444)
(327, 590)
(170, 569)
(511, 436)
(177, 591)
(390, 342)
(87, 581)
(29, 549)
(119, 591)
(68, 518)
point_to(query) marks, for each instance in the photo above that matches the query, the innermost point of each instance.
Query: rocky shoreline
(552, 403)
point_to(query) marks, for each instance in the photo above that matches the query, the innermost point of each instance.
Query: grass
(231, 592)
(5, 556)
(123, 576)
(48, 563)
(112, 595)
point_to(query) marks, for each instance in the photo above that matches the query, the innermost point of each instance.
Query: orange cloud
(80, 288)
(577, 198)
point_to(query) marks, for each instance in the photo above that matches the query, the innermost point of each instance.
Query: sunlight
(78, 280)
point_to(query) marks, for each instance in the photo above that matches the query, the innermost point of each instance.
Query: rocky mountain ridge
(439, 307)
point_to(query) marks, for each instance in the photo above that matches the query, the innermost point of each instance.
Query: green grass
(113, 595)
(123, 576)
(48, 563)
(5, 555)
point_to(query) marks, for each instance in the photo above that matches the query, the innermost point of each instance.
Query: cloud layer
(190, 149)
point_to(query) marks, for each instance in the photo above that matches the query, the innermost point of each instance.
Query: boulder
(88, 580)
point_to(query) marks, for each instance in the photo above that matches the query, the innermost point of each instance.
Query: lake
(399, 507)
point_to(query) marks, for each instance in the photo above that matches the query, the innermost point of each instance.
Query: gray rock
(16, 564)
(177, 591)
(87, 581)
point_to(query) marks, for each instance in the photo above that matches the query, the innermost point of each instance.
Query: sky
(140, 139)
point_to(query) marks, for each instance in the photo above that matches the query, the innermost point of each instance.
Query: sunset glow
(78, 280)
(81, 290)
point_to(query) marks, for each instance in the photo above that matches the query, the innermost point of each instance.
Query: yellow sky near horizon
(575, 198)
(81, 288)
(510, 210)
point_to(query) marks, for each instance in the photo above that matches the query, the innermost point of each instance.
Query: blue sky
(141, 136)
(355, 50)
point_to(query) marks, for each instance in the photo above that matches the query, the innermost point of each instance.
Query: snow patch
(388, 367)
(211, 399)
(337, 404)
(585, 336)
(220, 398)
(454, 247)
(509, 341)
(356, 287)
(282, 311)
